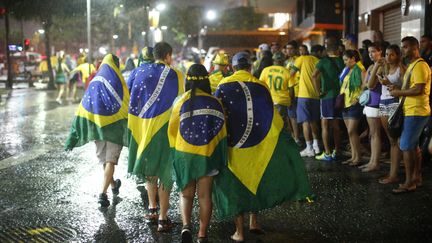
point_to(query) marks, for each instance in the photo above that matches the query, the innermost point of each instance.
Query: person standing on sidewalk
(102, 117)
(221, 64)
(327, 74)
(153, 92)
(308, 103)
(61, 78)
(416, 111)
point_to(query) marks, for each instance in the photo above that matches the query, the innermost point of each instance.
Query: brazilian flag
(264, 165)
(197, 136)
(102, 114)
(153, 92)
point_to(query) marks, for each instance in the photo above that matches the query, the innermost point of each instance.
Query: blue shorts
(353, 112)
(292, 110)
(328, 110)
(308, 110)
(411, 131)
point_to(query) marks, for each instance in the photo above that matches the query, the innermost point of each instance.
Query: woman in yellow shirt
(352, 112)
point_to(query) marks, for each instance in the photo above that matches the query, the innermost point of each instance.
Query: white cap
(264, 47)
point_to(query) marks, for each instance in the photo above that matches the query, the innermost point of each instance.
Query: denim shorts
(353, 112)
(308, 110)
(411, 131)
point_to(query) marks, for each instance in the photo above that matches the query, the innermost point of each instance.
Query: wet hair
(332, 47)
(292, 43)
(161, 50)
(352, 54)
(116, 60)
(367, 43)
(412, 41)
(305, 47)
(377, 46)
(317, 48)
(395, 48)
(201, 82)
(429, 37)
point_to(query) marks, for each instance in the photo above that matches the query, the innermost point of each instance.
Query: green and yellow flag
(264, 164)
(197, 136)
(102, 113)
(153, 92)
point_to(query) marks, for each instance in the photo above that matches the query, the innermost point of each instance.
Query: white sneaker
(59, 101)
(316, 150)
(307, 153)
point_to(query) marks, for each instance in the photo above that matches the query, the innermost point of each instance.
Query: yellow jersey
(349, 96)
(420, 74)
(294, 81)
(277, 78)
(306, 66)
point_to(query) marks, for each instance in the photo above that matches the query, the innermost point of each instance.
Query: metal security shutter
(392, 25)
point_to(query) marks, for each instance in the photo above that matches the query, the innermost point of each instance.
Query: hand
(392, 87)
(380, 62)
(395, 93)
(355, 101)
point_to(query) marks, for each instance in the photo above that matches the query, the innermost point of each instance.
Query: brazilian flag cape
(215, 77)
(197, 136)
(102, 113)
(153, 92)
(264, 165)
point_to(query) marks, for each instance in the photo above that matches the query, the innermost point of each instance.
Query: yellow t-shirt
(306, 66)
(277, 78)
(214, 79)
(349, 96)
(85, 72)
(241, 76)
(294, 81)
(418, 105)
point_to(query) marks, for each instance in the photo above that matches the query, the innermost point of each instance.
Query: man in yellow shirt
(415, 90)
(291, 50)
(277, 78)
(308, 103)
(221, 71)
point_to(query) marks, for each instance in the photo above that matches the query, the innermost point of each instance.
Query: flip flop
(387, 180)
(257, 231)
(402, 190)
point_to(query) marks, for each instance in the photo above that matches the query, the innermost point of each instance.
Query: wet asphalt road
(43, 186)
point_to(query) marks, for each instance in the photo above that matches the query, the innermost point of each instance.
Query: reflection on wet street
(44, 186)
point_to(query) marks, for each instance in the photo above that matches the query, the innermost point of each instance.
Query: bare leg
(315, 129)
(164, 202)
(417, 175)
(325, 135)
(186, 202)
(108, 176)
(61, 91)
(295, 129)
(375, 133)
(354, 140)
(239, 234)
(394, 155)
(253, 221)
(347, 124)
(336, 134)
(409, 157)
(151, 187)
(307, 131)
(205, 202)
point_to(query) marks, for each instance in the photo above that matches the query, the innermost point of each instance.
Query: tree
(45, 11)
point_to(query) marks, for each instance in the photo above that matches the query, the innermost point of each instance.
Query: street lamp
(41, 31)
(161, 6)
(210, 15)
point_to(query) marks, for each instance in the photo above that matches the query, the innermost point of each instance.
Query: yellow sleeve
(419, 74)
(298, 63)
(264, 75)
(173, 125)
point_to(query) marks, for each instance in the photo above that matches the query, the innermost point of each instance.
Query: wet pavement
(43, 188)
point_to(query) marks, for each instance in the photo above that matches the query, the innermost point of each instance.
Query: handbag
(364, 97)
(396, 119)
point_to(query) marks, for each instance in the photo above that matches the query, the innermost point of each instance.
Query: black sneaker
(103, 200)
(115, 189)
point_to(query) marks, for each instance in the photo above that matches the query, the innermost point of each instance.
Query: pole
(9, 60)
(89, 35)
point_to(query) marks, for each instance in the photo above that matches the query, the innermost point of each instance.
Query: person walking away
(327, 74)
(145, 58)
(129, 66)
(61, 79)
(351, 89)
(264, 166)
(416, 111)
(308, 105)
(221, 64)
(153, 92)
(388, 104)
(102, 117)
(197, 135)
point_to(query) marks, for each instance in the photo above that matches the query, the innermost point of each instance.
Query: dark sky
(263, 5)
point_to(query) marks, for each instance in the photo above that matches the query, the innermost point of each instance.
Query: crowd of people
(232, 135)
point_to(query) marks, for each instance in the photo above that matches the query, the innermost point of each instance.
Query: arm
(316, 78)
(418, 89)
(372, 79)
